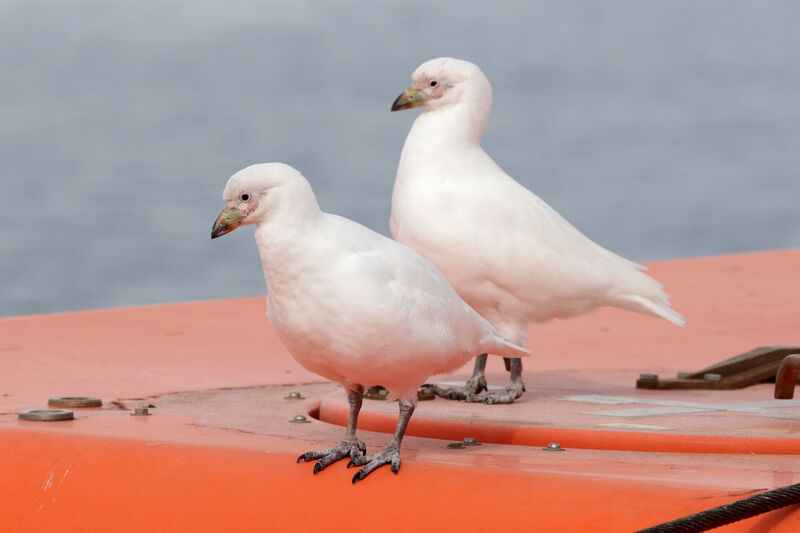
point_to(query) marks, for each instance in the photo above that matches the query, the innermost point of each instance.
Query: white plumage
(512, 257)
(350, 304)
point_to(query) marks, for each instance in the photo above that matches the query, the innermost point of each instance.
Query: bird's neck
(282, 238)
(457, 126)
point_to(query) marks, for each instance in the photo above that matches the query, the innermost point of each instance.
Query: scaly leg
(471, 389)
(471, 392)
(350, 446)
(514, 390)
(391, 454)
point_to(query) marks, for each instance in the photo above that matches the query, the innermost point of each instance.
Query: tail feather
(496, 345)
(640, 304)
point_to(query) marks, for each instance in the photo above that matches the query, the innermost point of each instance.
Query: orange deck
(218, 453)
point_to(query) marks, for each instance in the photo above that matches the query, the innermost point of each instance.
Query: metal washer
(75, 401)
(46, 415)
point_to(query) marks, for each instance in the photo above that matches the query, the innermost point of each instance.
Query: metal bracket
(756, 366)
(787, 377)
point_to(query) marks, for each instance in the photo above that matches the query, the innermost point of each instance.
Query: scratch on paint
(58, 485)
(51, 487)
(48, 482)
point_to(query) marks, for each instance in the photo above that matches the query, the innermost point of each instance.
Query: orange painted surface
(218, 453)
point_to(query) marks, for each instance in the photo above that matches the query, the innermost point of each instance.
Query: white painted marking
(768, 408)
(649, 411)
(623, 425)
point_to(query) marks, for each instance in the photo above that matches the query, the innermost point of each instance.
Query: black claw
(317, 467)
(350, 463)
(301, 458)
(395, 468)
(357, 477)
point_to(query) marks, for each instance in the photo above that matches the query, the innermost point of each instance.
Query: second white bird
(512, 257)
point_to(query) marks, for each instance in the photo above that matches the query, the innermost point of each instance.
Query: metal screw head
(553, 447)
(141, 411)
(456, 445)
(376, 392)
(471, 441)
(300, 419)
(425, 394)
(46, 415)
(294, 396)
(74, 401)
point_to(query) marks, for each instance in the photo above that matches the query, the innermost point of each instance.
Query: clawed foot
(354, 449)
(468, 392)
(511, 393)
(389, 456)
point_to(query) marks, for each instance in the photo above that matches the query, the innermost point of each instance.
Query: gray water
(661, 129)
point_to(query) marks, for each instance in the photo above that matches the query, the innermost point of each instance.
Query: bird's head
(440, 82)
(258, 191)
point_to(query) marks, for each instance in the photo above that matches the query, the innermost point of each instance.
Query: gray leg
(350, 446)
(471, 392)
(391, 454)
(473, 387)
(514, 390)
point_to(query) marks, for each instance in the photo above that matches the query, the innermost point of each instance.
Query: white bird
(351, 305)
(506, 252)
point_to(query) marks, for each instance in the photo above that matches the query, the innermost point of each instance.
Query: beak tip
(408, 99)
(398, 103)
(219, 230)
(227, 221)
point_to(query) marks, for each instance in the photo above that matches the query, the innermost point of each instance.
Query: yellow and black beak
(227, 221)
(410, 98)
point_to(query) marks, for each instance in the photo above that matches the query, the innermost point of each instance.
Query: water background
(660, 129)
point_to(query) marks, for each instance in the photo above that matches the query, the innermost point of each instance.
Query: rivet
(141, 411)
(74, 401)
(553, 447)
(294, 396)
(425, 394)
(300, 419)
(456, 445)
(712, 377)
(47, 415)
(376, 392)
(471, 441)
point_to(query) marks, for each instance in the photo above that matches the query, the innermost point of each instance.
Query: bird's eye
(434, 83)
(245, 197)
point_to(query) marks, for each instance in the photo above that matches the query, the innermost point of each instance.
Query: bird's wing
(393, 286)
(489, 227)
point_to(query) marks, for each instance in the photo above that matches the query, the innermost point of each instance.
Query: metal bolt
(471, 441)
(553, 447)
(300, 419)
(141, 411)
(425, 394)
(712, 377)
(74, 401)
(46, 415)
(456, 445)
(376, 392)
(294, 396)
